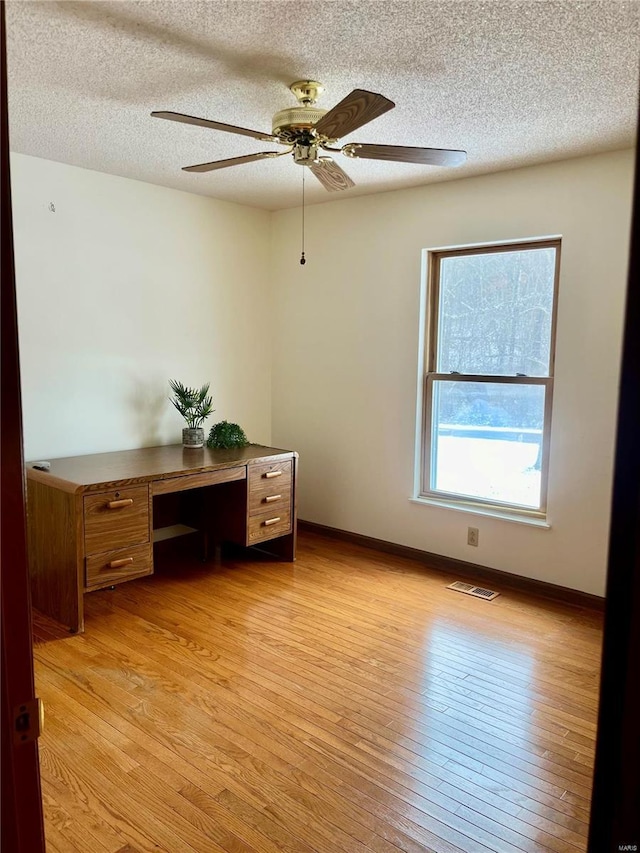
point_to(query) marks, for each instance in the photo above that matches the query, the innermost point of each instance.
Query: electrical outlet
(473, 536)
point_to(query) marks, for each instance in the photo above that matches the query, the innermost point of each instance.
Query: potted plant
(224, 435)
(195, 405)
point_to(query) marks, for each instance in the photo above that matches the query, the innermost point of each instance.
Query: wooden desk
(91, 519)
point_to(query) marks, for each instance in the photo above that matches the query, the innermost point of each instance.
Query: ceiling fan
(306, 130)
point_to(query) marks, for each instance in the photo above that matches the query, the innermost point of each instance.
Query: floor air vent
(477, 591)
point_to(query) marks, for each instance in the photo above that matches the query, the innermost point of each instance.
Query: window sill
(491, 512)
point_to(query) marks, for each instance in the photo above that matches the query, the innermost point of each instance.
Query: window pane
(487, 441)
(495, 312)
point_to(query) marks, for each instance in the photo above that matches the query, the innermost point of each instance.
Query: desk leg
(284, 547)
(204, 544)
(54, 526)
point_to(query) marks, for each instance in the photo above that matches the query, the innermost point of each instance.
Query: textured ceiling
(512, 83)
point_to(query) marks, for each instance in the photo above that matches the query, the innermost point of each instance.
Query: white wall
(125, 285)
(346, 355)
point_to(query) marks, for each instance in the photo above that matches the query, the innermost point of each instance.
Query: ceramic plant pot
(193, 437)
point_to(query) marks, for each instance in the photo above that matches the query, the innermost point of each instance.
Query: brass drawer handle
(271, 474)
(270, 498)
(118, 504)
(271, 521)
(118, 564)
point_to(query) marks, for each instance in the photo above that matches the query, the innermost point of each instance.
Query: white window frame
(428, 375)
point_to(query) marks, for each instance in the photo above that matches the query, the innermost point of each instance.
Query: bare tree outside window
(489, 377)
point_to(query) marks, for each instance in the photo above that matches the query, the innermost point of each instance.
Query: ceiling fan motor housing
(290, 123)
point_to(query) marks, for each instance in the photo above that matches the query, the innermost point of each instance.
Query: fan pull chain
(302, 258)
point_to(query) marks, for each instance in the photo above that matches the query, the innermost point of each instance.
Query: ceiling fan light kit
(307, 130)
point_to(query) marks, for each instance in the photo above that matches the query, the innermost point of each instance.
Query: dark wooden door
(615, 805)
(22, 824)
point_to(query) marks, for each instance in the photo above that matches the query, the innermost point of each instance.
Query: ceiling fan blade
(352, 112)
(232, 161)
(214, 125)
(330, 175)
(406, 154)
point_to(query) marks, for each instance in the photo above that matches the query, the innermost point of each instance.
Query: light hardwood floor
(346, 702)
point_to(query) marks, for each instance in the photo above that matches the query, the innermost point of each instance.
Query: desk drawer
(269, 525)
(116, 519)
(197, 481)
(268, 478)
(272, 499)
(270, 487)
(115, 566)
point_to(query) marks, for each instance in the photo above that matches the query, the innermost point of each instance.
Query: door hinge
(28, 721)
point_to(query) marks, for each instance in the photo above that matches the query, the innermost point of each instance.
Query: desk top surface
(125, 467)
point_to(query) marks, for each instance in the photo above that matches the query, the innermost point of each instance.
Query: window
(489, 336)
